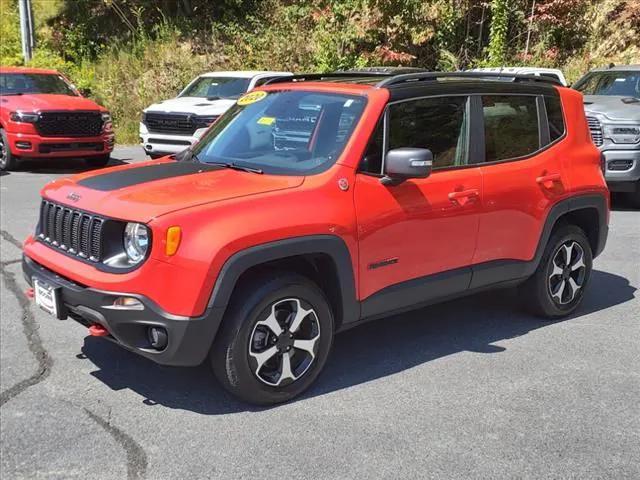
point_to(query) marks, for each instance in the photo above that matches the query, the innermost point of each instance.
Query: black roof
(406, 85)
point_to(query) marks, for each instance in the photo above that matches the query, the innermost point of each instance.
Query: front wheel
(557, 287)
(7, 160)
(274, 340)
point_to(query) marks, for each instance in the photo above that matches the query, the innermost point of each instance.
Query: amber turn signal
(174, 234)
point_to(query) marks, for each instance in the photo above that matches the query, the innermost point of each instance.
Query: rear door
(409, 233)
(522, 175)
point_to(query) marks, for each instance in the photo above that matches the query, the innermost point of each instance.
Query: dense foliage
(129, 53)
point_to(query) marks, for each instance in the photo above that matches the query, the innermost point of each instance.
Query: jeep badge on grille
(73, 196)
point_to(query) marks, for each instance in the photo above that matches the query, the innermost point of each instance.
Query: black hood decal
(149, 173)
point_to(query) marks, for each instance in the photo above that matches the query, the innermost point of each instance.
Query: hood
(615, 108)
(197, 105)
(145, 191)
(33, 102)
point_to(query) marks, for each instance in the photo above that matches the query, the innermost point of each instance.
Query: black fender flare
(597, 201)
(330, 245)
(504, 271)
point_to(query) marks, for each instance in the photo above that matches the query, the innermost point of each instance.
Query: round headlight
(136, 242)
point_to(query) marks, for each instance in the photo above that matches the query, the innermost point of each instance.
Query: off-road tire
(252, 303)
(538, 291)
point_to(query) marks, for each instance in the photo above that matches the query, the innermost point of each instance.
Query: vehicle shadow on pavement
(360, 355)
(64, 166)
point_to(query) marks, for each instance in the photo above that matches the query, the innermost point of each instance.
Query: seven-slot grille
(179, 124)
(69, 124)
(596, 130)
(76, 232)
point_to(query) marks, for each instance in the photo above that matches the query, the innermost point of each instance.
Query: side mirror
(84, 91)
(404, 163)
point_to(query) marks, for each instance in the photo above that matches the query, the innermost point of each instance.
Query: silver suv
(612, 105)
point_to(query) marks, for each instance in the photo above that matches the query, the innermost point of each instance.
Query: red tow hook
(29, 293)
(97, 330)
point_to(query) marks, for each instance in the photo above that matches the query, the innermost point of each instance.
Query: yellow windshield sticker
(266, 120)
(251, 97)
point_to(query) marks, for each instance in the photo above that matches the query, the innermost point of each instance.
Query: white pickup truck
(172, 125)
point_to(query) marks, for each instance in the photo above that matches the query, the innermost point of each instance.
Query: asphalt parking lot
(469, 389)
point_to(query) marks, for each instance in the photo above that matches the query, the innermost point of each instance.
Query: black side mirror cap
(404, 163)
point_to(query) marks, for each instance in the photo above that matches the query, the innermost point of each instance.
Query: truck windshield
(286, 132)
(25, 83)
(624, 84)
(217, 87)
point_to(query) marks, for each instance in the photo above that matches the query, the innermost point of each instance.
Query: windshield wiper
(11, 93)
(212, 98)
(235, 166)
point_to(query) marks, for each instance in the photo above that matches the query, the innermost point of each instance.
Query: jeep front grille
(596, 130)
(69, 124)
(76, 232)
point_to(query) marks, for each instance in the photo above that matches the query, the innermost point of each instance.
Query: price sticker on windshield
(251, 97)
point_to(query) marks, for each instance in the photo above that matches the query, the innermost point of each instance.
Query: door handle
(464, 196)
(547, 181)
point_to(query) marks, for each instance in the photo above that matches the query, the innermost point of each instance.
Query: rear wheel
(98, 161)
(274, 340)
(7, 160)
(557, 287)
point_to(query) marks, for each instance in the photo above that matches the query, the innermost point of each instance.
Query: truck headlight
(24, 117)
(622, 133)
(136, 242)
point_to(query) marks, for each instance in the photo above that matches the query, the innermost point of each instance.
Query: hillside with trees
(130, 53)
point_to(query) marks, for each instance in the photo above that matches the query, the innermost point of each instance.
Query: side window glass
(372, 160)
(510, 126)
(554, 117)
(262, 81)
(440, 124)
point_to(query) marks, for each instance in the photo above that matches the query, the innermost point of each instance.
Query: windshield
(19, 83)
(287, 132)
(217, 87)
(624, 84)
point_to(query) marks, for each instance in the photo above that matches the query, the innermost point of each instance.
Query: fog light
(23, 145)
(126, 303)
(158, 337)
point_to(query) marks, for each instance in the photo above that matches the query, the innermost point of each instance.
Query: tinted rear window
(554, 117)
(510, 126)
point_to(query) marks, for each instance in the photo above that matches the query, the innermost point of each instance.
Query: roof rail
(417, 77)
(307, 77)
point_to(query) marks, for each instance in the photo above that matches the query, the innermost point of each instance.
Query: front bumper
(189, 338)
(622, 169)
(35, 146)
(165, 144)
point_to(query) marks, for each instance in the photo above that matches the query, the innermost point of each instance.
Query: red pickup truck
(42, 115)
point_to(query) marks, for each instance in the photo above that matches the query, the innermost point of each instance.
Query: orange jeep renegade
(318, 202)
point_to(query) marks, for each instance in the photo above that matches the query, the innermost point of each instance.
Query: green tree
(497, 51)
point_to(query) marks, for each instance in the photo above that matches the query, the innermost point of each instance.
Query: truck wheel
(7, 160)
(557, 287)
(98, 161)
(274, 340)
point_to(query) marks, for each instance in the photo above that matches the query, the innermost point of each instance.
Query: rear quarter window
(554, 118)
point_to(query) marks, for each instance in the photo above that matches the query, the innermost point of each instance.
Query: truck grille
(73, 231)
(69, 124)
(596, 130)
(172, 123)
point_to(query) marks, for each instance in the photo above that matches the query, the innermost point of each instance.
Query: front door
(411, 232)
